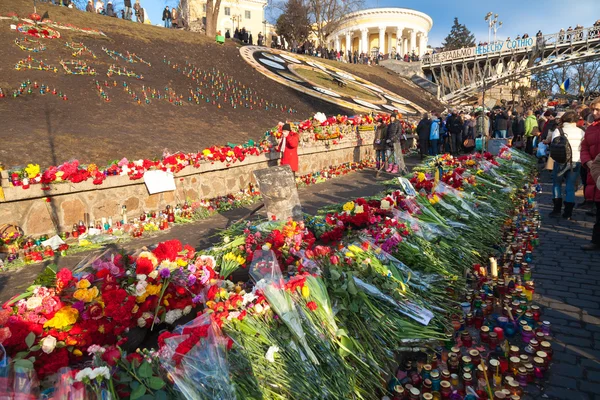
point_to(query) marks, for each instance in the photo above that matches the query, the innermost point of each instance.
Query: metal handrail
(554, 39)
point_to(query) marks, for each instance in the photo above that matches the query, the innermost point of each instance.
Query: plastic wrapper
(429, 232)
(200, 373)
(415, 279)
(447, 190)
(66, 388)
(17, 381)
(411, 310)
(267, 275)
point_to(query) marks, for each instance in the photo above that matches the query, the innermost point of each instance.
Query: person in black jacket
(167, 17)
(518, 129)
(454, 124)
(423, 129)
(501, 124)
(379, 144)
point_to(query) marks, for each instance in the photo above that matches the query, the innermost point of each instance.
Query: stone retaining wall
(34, 209)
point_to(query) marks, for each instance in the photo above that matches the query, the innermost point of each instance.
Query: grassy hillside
(46, 129)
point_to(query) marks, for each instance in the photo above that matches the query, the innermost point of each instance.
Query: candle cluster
(100, 88)
(79, 49)
(32, 63)
(36, 45)
(500, 343)
(114, 70)
(27, 87)
(130, 57)
(221, 89)
(77, 68)
(147, 93)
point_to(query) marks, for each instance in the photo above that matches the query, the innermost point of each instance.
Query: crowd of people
(566, 142)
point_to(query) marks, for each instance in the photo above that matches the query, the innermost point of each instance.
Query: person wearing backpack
(565, 142)
(590, 149)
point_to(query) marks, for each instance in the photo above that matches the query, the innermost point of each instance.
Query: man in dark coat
(501, 124)
(454, 124)
(423, 129)
(518, 129)
(167, 17)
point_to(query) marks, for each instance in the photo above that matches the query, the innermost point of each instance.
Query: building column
(382, 39)
(424, 41)
(337, 43)
(364, 40)
(399, 40)
(348, 43)
(404, 46)
(413, 41)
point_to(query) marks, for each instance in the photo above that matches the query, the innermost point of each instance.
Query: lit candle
(494, 267)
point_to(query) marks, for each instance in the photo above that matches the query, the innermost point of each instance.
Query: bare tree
(212, 13)
(326, 15)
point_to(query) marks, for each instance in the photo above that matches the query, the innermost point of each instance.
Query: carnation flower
(172, 316)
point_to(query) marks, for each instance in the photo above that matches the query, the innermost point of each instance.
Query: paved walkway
(202, 234)
(567, 287)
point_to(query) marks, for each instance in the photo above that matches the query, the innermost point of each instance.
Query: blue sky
(518, 16)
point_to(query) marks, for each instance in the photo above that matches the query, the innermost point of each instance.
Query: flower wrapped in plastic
(266, 274)
(194, 356)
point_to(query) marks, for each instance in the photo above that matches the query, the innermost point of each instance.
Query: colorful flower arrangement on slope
(282, 336)
(75, 172)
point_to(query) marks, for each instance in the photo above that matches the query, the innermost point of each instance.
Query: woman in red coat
(290, 151)
(590, 148)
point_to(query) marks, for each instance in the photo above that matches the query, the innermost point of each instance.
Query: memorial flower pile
(75, 172)
(321, 307)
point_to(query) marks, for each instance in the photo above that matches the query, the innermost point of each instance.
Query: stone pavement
(202, 234)
(567, 287)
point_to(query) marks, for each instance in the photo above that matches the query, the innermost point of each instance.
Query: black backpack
(560, 149)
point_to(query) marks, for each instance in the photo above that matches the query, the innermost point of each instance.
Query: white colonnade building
(387, 30)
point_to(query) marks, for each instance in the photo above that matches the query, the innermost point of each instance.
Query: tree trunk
(212, 14)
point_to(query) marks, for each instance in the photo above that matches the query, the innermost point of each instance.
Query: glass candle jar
(414, 394)
(527, 334)
(546, 328)
(499, 395)
(530, 372)
(513, 365)
(427, 386)
(537, 313)
(445, 389)
(493, 340)
(500, 333)
(484, 334)
(426, 371)
(514, 351)
(466, 362)
(546, 347)
(466, 339)
(435, 381)
(544, 356)
(522, 376)
(539, 368)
